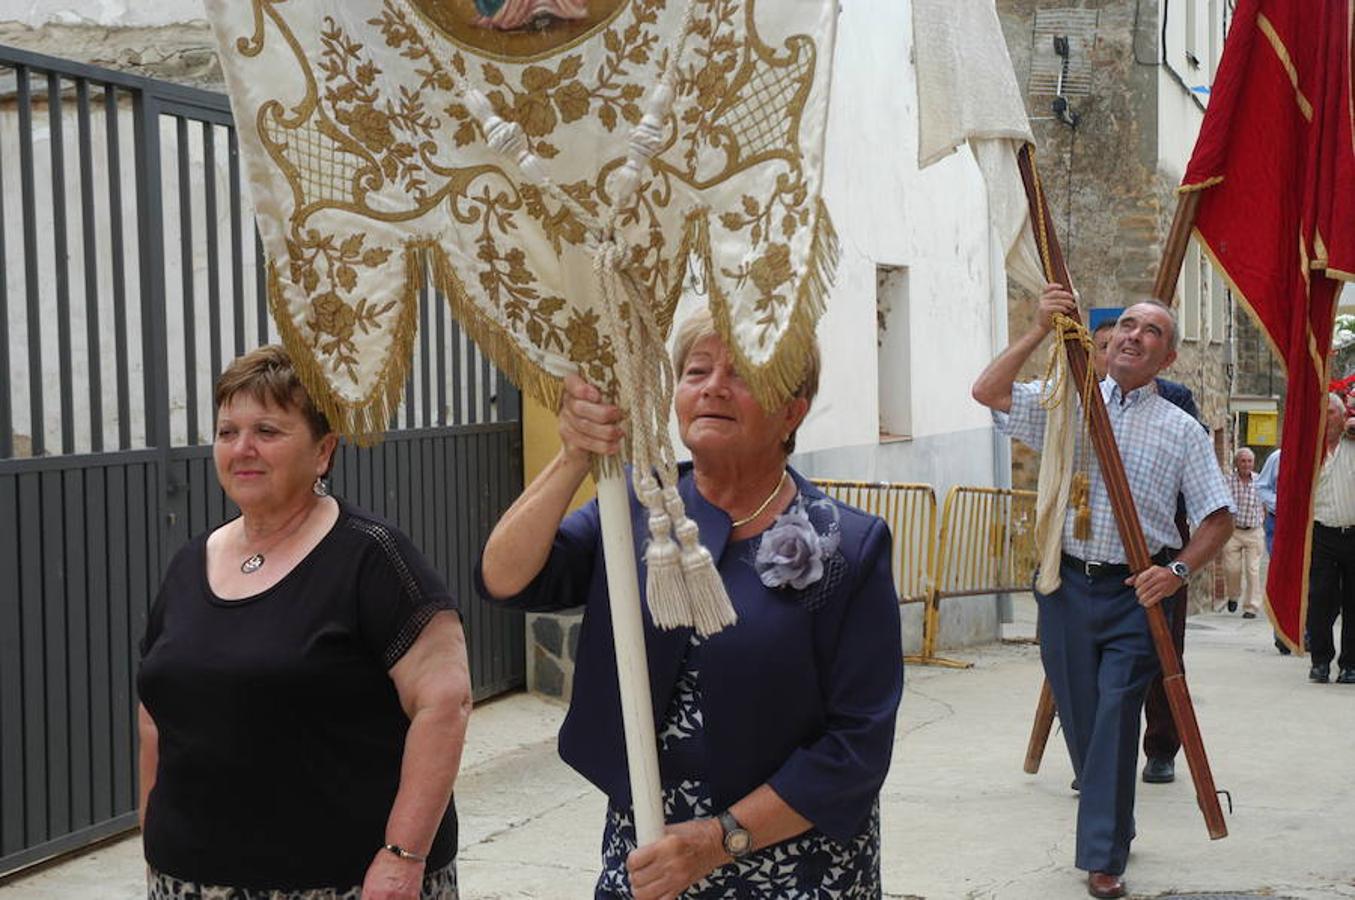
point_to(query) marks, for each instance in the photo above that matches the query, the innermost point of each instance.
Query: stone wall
(1111, 201)
(182, 52)
(553, 642)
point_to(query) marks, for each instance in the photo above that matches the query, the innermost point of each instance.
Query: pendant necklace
(739, 523)
(254, 562)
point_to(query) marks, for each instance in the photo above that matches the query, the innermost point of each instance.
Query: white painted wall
(1180, 110)
(889, 213)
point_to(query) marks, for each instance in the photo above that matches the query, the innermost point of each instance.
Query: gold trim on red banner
(1281, 51)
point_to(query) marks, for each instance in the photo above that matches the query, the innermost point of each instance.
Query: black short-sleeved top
(280, 730)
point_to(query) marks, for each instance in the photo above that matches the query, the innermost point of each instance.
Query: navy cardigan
(799, 695)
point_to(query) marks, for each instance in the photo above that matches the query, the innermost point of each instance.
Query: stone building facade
(1111, 177)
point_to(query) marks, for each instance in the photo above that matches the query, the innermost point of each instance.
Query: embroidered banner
(484, 142)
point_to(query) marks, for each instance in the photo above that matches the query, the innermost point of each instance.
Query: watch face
(737, 842)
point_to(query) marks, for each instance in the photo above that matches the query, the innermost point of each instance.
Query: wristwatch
(738, 842)
(1179, 569)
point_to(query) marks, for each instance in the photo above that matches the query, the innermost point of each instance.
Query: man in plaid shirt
(1242, 553)
(1094, 639)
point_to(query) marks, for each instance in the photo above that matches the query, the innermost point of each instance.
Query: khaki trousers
(1242, 567)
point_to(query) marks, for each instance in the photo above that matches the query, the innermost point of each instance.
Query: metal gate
(129, 275)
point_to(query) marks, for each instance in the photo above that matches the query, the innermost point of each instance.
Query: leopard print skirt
(437, 885)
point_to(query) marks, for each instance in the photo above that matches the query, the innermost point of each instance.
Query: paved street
(961, 820)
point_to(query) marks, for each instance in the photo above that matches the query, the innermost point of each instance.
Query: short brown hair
(267, 375)
(701, 325)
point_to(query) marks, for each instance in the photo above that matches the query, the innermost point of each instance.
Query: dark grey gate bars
(115, 319)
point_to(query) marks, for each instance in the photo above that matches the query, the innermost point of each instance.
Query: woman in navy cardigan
(775, 734)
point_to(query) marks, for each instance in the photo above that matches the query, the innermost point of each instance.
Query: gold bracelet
(403, 853)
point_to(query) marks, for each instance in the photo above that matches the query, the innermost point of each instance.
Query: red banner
(1275, 165)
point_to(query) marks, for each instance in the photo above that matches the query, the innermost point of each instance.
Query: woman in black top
(304, 683)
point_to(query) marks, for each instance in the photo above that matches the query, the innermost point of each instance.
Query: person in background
(1161, 743)
(774, 734)
(1094, 637)
(1242, 553)
(304, 682)
(1331, 572)
(1267, 491)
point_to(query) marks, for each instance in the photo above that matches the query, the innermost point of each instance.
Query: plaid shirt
(1165, 453)
(1247, 501)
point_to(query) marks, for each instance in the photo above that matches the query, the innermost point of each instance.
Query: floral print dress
(811, 866)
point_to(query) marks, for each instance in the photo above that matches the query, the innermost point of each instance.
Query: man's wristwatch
(1179, 569)
(737, 841)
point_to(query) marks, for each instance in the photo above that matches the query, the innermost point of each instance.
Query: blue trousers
(1098, 655)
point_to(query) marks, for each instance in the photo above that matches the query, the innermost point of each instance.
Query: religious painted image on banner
(519, 29)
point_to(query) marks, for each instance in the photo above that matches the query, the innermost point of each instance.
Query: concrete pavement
(960, 818)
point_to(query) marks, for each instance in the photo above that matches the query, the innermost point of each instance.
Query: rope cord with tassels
(683, 586)
(1068, 329)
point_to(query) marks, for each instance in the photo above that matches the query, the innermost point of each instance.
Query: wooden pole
(632, 667)
(1126, 515)
(1039, 731)
(1174, 252)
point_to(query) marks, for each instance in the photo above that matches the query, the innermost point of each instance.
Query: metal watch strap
(403, 853)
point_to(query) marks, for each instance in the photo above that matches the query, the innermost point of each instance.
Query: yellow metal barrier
(986, 546)
(910, 512)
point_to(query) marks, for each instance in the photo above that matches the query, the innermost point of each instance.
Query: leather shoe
(1232, 606)
(1076, 785)
(1103, 884)
(1347, 676)
(1159, 770)
(1319, 674)
(1249, 615)
(1282, 647)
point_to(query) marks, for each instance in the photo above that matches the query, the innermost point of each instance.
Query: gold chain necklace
(739, 523)
(254, 562)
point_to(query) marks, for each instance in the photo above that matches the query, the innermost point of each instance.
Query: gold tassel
(1079, 497)
(665, 589)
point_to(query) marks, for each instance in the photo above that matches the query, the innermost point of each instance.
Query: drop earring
(321, 486)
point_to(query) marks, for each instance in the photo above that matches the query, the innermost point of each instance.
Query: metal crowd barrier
(910, 512)
(986, 544)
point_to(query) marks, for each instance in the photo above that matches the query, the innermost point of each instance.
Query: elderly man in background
(1094, 639)
(1331, 572)
(1242, 553)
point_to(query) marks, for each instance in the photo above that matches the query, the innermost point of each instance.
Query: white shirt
(1334, 497)
(1165, 453)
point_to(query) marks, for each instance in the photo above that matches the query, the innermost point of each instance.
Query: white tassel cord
(683, 586)
(1058, 463)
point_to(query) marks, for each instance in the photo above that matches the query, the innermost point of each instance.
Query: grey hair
(1237, 454)
(1171, 314)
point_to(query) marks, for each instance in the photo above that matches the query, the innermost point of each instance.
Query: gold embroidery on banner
(1282, 52)
(357, 146)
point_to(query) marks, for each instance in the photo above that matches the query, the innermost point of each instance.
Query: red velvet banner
(1275, 164)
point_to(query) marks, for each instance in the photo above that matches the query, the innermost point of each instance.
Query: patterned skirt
(437, 885)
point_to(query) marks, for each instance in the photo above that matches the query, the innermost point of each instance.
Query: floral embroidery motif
(374, 179)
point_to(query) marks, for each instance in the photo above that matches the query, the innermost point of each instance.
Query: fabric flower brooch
(793, 552)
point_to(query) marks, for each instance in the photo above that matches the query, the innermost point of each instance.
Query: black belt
(1243, 527)
(1339, 529)
(1094, 569)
